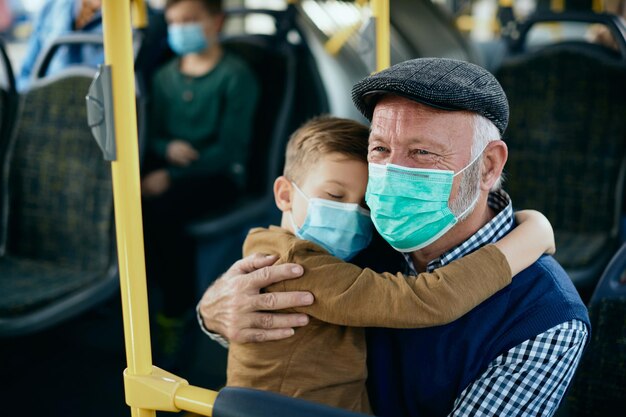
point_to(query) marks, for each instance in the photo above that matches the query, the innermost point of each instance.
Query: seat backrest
(567, 134)
(7, 79)
(60, 192)
(598, 387)
(8, 105)
(271, 64)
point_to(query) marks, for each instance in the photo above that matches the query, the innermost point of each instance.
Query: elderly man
(436, 159)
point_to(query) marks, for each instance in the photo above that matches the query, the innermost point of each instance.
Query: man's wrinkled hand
(235, 307)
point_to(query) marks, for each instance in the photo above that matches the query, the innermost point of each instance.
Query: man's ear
(494, 158)
(282, 193)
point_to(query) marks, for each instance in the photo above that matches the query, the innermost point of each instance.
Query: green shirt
(214, 112)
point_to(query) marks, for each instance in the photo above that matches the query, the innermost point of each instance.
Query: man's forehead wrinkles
(398, 134)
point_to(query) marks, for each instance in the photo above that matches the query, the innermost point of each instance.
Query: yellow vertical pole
(380, 12)
(125, 169)
(557, 6)
(139, 13)
(597, 6)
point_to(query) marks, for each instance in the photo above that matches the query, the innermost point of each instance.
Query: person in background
(58, 17)
(6, 16)
(200, 124)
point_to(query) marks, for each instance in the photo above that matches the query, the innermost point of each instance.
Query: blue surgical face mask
(409, 206)
(343, 229)
(187, 38)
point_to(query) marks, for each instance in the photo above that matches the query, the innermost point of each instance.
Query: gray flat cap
(437, 82)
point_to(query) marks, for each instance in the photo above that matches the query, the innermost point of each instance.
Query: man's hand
(155, 183)
(235, 308)
(181, 153)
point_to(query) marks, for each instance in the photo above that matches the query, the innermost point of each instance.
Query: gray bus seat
(8, 106)
(599, 387)
(567, 142)
(60, 256)
(74, 39)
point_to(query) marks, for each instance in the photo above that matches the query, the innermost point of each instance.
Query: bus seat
(60, 256)
(8, 106)
(70, 39)
(599, 385)
(567, 142)
(238, 401)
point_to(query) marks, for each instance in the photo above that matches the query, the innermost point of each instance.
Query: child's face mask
(343, 229)
(187, 38)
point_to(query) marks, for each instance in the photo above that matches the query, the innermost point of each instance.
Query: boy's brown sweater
(325, 360)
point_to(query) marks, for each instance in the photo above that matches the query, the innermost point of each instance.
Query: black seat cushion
(600, 382)
(26, 284)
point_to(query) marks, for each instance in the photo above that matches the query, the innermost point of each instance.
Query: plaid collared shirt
(493, 231)
(531, 378)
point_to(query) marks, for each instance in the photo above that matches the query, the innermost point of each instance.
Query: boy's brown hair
(212, 6)
(322, 136)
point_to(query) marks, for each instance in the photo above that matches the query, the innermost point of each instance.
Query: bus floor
(75, 368)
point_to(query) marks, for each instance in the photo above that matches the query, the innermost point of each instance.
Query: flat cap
(437, 82)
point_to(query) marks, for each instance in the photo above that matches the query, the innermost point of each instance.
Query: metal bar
(380, 11)
(557, 6)
(197, 400)
(139, 14)
(125, 170)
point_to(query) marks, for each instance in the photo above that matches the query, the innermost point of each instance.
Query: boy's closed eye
(335, 196)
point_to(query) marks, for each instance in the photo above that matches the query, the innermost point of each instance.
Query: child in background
(324, 224)
(200, 123)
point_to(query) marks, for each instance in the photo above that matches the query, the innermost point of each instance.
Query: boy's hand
(545, 234)
(181, 153)
(235, 307)
(155, 183)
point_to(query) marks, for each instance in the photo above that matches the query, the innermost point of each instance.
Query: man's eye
(423, 154)
(379, 149)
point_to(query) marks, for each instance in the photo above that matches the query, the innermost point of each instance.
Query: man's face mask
(343, 229)
(187, 38)
(409, 206)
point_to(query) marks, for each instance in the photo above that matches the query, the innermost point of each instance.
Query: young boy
(201, 120)
(321, 196)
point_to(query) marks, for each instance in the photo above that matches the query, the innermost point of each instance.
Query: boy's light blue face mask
(343, 229)
(187, 38)
(409, 206)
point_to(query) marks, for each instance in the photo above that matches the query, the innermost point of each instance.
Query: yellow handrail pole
(557, 6)
(118, 53)
(380, 11)
(597, 6)
(196, 400)
(139, 14)
(339, 39)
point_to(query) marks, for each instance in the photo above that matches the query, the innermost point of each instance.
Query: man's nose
(399, 158)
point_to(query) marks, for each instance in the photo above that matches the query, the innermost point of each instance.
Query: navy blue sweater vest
(420, 372)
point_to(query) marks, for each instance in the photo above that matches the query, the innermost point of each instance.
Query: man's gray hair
(484, 132)
(469, 188)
